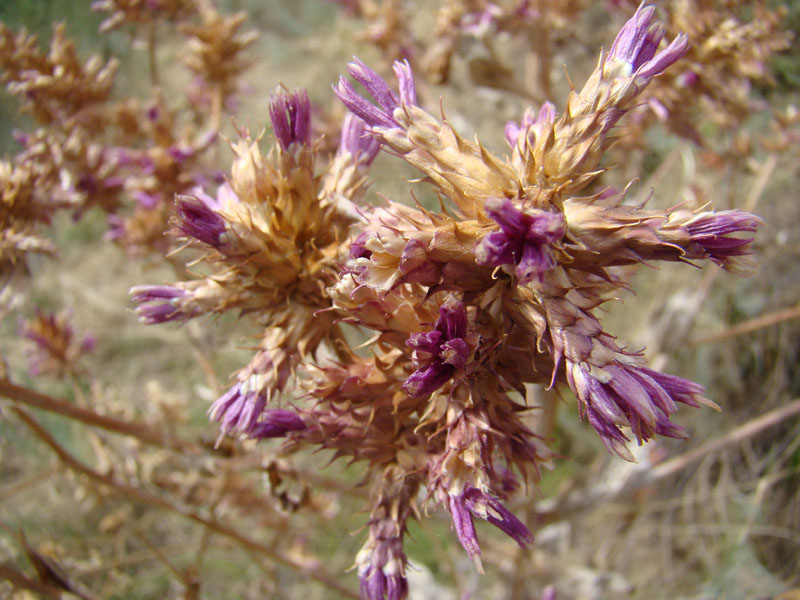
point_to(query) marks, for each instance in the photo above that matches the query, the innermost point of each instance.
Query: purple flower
(381, 561)
(276, 423)
(57, 347)
(447, 347)
(465, 528)
(524, 239)
(474, 502)
(376, 584)
(383, 114)
(619, 395)
(197, 218)
(358, 249)
(545, 117)
(492, 510)
(291, 118)
(238, 409)
(147, 200)
(633, 52)
(711, 231)
(159, 303)
(357, 142)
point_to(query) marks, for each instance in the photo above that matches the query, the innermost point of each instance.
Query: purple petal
(465, 528)
(291, 118)
(198, 221)
(276, 423)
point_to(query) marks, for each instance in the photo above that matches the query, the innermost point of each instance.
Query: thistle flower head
(383, 114)
(712, 232)
(524, 240)
(160, 303)
(531, 128)
(57, 348)
(446, 349)
(634, 52)
(619, 394)
(381, 562)
(476, 503)
(198, 219)
(291, 118)
(381, 566)
(276, 422)
(356, 141)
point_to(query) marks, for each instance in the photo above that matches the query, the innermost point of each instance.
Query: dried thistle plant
(467, 305)
(56, 347)
(128, 157)
(732, 45)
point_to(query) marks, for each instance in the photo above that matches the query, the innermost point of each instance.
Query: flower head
(291, 118)
(357, 142)
(198, 219)
(57, 348)
(633, 52)
(381, 115)
(524, 240)
(618, 395)
(446, 346)
(474, 502)
(160, 303)
(276, 422)
(712, 231)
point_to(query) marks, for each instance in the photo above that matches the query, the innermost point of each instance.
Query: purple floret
(291, 118)
(524, 239)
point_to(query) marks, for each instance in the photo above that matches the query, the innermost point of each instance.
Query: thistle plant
(127, 157)
(733, 43)
(463, 308)
(56, 348)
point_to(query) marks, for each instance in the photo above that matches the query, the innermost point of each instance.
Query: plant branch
(138, 430)
(146, 497)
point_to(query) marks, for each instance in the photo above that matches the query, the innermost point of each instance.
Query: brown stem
(539, 40)
(554, 509)
(216, 107)
(151, 55)
(20, 580)
(749, 326)
(48, 403)
(141, 495)
(733, 437)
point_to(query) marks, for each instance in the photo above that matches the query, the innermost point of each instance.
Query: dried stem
(151, 55)
(141, 495)
(558, 508)
(138, 430)
(749, 326)
(20, 580)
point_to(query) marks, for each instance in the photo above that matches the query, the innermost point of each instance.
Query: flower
(356, 141)
(447, 347)
(523, 242)
(198, 219)
(633, 52)
(57, 348)
(619, 394)
(381, 115)
(712, 231)
(276, 422)
(291, 118)
(160, 303)
(474, 502)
